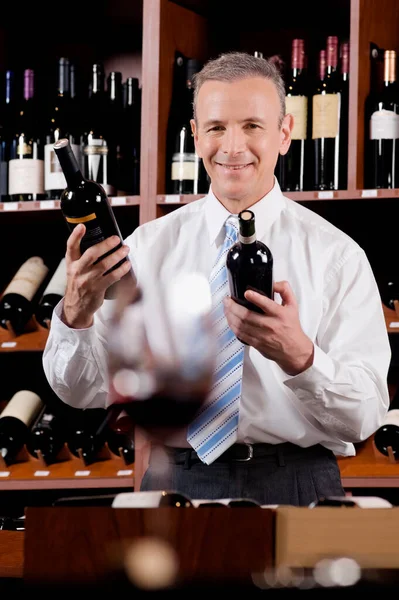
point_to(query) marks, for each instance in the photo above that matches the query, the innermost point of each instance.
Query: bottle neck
(70, 166)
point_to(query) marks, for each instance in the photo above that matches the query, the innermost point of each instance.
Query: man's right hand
(86, 283)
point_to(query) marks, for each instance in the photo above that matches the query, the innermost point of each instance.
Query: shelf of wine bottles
(55, 204)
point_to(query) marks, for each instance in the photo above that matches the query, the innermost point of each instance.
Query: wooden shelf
(297, 196)
(368, 469)
(31, 341)
(391, 318)
(55, 204)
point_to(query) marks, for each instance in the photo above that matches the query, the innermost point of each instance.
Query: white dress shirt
(338, 401)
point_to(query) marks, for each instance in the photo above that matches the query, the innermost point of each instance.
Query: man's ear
(194, 131)
(285, 133)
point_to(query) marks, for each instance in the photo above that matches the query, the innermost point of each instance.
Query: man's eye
(216, 128)
(253, 126)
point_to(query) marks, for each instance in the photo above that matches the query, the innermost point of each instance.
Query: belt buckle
(250, 454)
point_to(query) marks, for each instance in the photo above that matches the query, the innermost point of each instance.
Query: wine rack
(67, 472)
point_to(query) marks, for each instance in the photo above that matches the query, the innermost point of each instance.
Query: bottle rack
(68, 471)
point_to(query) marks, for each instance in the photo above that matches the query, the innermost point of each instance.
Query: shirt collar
(266, 211)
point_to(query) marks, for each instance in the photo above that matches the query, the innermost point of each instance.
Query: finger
(96, 252)
(117, 273)
(287, 295)
(267, 305)
(73, 243)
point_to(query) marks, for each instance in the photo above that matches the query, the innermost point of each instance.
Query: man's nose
(233, 141)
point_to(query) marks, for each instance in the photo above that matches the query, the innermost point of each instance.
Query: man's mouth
(234, 167)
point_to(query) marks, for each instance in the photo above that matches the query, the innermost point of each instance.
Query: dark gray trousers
(288, 475)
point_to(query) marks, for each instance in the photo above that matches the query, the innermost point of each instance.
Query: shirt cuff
(315, 379)
(59, 327)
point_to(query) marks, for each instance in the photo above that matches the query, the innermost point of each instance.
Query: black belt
(248, 452)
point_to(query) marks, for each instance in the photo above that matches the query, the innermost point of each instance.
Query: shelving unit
(142, 38)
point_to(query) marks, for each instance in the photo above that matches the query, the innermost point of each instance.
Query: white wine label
(384, 125)
(5, 473)
(298, 107)
(392, 417)
(124, 472)
(119, 201)
(28, 278)
(57, 284)
(326, 195)
(185, 167)
(82, 473)
(26, 176)
(172, 198)
(8, 344)
(394, 324)
(53, 176)
(46, 204)
(24, 405)
(10, 206)
(326, 108)
(41, 473)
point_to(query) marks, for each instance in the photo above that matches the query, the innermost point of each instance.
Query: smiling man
(313, 379)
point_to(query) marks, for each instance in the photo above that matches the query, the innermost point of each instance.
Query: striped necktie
(215, 427)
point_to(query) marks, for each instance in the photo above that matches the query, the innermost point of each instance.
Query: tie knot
(232, 227)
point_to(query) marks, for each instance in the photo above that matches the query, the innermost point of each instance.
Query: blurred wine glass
(161, 352)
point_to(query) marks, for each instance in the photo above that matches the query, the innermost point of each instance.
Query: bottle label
(24, 405)
(247, 240)
(26, 176)
(298, 107)
(384, 125)
(57, 284)
(185, 166)
(94, 233)
(28, 278)
(326, 109)
(392, 417)
(96, 164)
(54, 178)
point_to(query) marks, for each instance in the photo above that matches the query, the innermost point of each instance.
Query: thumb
(287, 295)
(73, 244)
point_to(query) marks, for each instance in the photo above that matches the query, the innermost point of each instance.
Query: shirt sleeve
(346, 387)
(75, 361)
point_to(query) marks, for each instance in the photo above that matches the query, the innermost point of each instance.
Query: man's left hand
(277, 333)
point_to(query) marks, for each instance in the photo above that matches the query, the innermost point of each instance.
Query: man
(314, 375)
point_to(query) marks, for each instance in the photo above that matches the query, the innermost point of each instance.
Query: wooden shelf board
(31, 341)
(55, 204)
(297, 196)
(369, 468)
(390, 318)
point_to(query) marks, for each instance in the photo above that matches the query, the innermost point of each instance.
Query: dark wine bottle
(249, 263)
(130, 146)
(58, 124)
(15, 422)
(382, 114)
(87, 437)
(344, 117)
(387, 435)
(187, 171)
(114, 128)
(46, 436)
(53, 293)
(120, 438)
(18, 300)
(325, 121)
(7, 126)
(390, 295)
(26, 166)
(85, 201)
(292, 165)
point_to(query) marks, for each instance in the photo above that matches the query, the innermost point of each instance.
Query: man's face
(237, 135)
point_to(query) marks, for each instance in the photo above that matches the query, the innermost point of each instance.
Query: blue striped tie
(215, 427)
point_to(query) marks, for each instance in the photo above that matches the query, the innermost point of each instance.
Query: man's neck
(236, 205)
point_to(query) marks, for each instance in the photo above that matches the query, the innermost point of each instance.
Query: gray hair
(231, 66)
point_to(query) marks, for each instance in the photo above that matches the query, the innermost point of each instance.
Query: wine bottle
(120, 438)
(85, 201)
(114, 127)
(58, 125)
(382, 113)
(18, 299)
(326, 107)
(7, 126)
(344, 117)
(387, 435)
(249, 263)
(46, 436)
(53, 293)
(26, 166)
(94, 139)
(130, 150)
(152, 499)
(187, 171)
(15, 422)
(292, 164)
(390, 295)
(87, 437)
